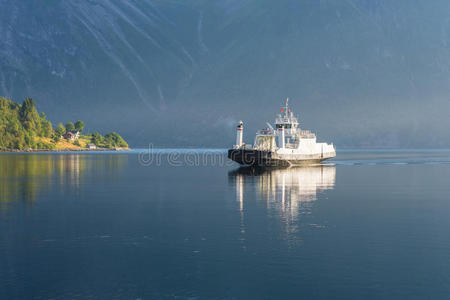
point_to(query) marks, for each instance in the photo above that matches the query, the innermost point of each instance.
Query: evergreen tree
(60, 130)
(46, 126)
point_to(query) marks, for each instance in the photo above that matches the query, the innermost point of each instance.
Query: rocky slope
(177, 73)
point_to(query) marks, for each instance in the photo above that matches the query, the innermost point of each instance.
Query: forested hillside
(23, 128)
(21, 124)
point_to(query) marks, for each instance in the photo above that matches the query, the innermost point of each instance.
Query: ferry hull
(260, 158)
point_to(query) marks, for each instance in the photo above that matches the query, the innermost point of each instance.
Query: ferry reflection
(287, 193)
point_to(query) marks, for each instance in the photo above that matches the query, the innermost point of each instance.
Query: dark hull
(258, 158)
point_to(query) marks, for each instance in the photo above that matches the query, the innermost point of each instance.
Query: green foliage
(46, 127)
(48, 146)
(60, 130)
(77, 143)
(97, 139)
(113, 139)
(22, 127)
(79, 126)
(20, 124)
(56, 137)
(29, 116)
(70, 127)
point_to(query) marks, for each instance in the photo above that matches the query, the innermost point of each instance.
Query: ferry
(285, 145)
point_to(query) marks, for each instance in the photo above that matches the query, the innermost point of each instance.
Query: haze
(360, 73)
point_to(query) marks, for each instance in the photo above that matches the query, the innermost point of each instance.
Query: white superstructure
(287, 142)
(239, 135)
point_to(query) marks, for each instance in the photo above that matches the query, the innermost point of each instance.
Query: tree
(79, 126)
(29, 116)
(70, 127)
(97, 139)
(113, 139)
(60, 130)
(27, 109)
(46, 126)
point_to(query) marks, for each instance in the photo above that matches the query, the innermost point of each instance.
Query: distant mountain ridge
(362, 73)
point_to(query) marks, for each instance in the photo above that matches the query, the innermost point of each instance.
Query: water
(367, 225)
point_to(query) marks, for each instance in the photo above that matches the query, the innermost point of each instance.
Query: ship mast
(287, 107)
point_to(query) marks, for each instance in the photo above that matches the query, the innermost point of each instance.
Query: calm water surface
(367, 225)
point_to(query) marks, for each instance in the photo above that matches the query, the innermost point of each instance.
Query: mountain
(361, 73)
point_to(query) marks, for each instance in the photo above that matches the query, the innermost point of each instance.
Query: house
(91, 146)
(71, 135)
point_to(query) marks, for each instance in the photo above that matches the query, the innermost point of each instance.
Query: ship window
(286, 126)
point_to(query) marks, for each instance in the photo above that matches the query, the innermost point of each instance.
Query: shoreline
(64, 150)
